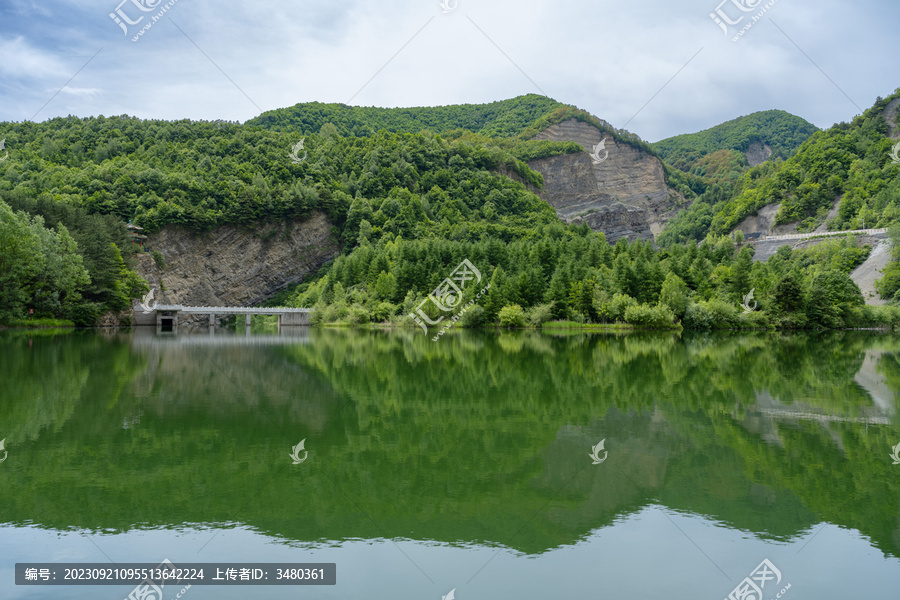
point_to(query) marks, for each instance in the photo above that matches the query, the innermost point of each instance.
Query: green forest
(506, 118)
(94, 175)
(781, 131)
(410, 193)
(850, 162)
(571, 274)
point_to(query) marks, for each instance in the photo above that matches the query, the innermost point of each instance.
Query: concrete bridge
(766, 245)
(166, 315)
(806, 236)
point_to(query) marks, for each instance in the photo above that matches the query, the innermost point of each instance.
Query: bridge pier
(166, 316)
(166, 320)
(293, 319)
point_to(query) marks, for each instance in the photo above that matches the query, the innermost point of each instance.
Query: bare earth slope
(865, 274)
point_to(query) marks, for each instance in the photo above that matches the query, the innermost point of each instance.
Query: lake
(473, 464)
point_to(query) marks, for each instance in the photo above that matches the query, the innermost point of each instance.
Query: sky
(657, 68)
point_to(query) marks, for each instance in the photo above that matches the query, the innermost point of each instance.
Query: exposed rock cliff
(624, 196)
(758, 153)
(764, 222)
(230, 266)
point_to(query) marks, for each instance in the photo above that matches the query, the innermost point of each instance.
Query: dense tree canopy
(200, 175)
(52, 271)
(779, 130)
(849, 162)
(570, 273)
(505, 118)
(411, 192)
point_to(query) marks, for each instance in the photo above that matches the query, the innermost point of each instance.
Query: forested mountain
(781, 132)
(850, 162)
(506, 118)
(410, 193)
(95, 174)
(716, 160)
(506, 123)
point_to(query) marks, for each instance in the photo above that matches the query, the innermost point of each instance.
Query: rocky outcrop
(758, 153)
(232, 266)
(625, 195)
(762, 222)
(618, 221)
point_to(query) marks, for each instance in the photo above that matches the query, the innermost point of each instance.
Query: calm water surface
(463, 463)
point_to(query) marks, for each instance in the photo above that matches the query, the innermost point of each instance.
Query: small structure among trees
(136, 236)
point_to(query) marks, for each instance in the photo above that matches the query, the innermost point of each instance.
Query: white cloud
(20, 59)
(75, 91)
(608, 58)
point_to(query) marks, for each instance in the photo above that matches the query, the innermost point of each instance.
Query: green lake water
(462, 464)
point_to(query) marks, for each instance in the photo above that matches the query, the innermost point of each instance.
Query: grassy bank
(37, 324)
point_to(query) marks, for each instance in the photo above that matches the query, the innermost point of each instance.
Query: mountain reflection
(475, 438)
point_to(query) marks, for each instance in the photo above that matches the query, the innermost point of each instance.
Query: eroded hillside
(625, 195)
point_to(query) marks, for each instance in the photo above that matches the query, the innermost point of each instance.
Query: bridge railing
(233, 310)
(800, 236)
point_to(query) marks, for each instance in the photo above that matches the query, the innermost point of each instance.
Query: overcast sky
(655, 67)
